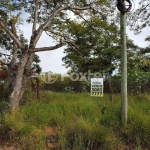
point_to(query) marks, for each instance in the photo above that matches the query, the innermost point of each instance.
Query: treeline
(111, 85)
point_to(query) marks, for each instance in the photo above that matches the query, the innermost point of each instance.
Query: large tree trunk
(11, 66)
(20, 80)
(17, 92)
(22, 74)
(26, 75)
(11, 69)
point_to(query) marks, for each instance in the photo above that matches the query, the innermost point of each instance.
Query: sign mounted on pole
(97, 87)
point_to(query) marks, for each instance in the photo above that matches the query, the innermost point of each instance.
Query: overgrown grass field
(71, 121)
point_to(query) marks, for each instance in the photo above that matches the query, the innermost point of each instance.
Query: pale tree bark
(26, 74)
(20, 81)
(3, 62)
(11, 68)
(15, 95)
(12, 64)
(13, 37)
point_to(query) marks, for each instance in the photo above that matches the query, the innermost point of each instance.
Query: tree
(46, 16)
(139, 65)
(141, 17)
(9, 49)
(96, 46)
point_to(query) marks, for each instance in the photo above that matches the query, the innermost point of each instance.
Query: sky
(52, 60)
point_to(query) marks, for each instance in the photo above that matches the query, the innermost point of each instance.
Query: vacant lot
(76, 121)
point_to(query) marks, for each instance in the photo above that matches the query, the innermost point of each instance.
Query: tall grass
(82, 122)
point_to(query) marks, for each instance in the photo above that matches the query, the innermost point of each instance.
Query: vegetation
(77, 121)
(93, 22)
(69, 120)
(140, 17)
(97, 46)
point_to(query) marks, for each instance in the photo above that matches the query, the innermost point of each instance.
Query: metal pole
(124, 101)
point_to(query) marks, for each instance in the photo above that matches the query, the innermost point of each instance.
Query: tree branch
(81, 8)
(144, 7)
(37, 33)
(4, 63)
(18, 15)
(47, 48)
(53, 47)
(72, 42)
(13, 37)
(56, 33)
(80, 16)
(52, 17)
(35, 16)
(14, 54)
(59, 10)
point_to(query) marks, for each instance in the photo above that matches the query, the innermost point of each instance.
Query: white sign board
(97, 87)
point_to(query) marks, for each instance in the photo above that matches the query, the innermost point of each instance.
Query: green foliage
(96, 46)
(69, 89)
(82, 122)
(137, 132)
(140, 17)
(5, 41)
(2, 106)
(138, 76)
(3, 90)
(138, 72)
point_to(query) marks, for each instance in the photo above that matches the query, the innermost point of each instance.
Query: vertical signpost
(123, 8)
